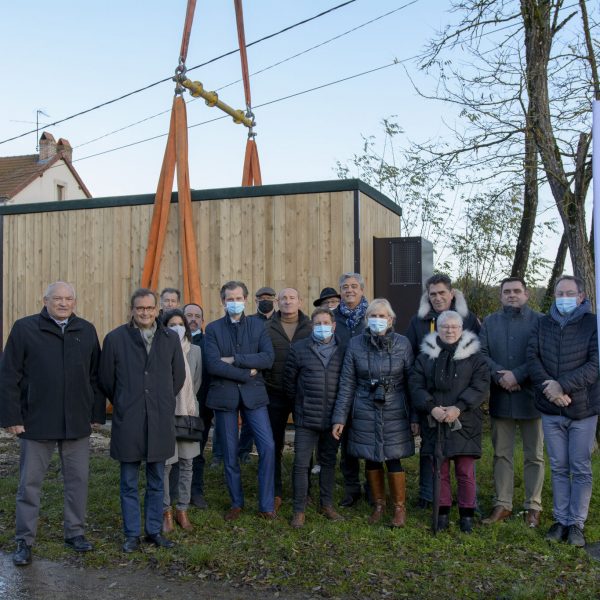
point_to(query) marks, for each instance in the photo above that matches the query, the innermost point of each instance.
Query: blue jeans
(226, 423)
(153, 499)
(569, 444)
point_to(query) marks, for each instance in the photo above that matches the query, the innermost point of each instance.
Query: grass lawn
(333, 560)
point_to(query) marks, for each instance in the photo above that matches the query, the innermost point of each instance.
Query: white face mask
(179, 330)
(377, 325)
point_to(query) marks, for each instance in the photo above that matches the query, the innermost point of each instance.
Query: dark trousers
(393, 465)
(279, 412)
(349, 466)
(304, 442)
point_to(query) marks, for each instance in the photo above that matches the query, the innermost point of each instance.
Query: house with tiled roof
(45, 177)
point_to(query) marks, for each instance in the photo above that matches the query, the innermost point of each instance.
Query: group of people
(348, 379)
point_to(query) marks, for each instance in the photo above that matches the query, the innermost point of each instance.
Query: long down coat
(142, 388)
(378, 430)
(469, 389)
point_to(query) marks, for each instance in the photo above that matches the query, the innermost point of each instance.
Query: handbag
(188, 428)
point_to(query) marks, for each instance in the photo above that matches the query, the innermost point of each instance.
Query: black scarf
(445, 367)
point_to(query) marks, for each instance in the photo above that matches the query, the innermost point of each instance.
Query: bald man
(287, 325)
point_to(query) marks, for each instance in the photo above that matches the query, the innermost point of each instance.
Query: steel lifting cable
(251, 174)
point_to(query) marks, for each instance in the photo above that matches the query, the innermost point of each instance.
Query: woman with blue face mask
(311, 380)
(373, 390)
(186, 404)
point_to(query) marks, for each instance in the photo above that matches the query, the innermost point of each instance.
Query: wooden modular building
(302, 235)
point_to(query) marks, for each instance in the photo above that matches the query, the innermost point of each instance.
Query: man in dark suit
(49, 396)
(238, 349)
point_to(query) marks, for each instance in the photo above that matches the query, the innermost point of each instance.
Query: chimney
(47, 146)
(64, 148)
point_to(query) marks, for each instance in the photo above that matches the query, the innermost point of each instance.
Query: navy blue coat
(142, 388)
(343, 332)
(310, 386)
(251, 348)
(504, 337)
(49, 380)
(568, 355)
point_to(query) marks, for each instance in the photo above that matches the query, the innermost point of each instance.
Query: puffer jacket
(379, 430)
(568, 355)
(425, 321)
(311, 386)
(471, 384)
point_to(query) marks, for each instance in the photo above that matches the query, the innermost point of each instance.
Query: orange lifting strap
(176, 155)
(251, 173)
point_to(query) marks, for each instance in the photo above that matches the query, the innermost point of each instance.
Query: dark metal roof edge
(285, 189)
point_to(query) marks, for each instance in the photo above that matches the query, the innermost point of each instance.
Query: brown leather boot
(168, 526)
(377, 484)
(397, 483)
(298, 520)
(181, 517)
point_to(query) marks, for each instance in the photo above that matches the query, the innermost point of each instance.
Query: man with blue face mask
(311, 380)
(238, 349)
(563, 365)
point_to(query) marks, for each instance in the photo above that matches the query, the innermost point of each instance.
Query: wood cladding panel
(299, 240)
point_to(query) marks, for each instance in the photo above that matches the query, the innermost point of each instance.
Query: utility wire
(212, 60)
(306, 51)
(268, 103)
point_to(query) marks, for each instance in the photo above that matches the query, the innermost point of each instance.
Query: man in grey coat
(504, 337)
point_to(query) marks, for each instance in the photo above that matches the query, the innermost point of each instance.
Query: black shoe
(443, 522)
(159, 541)
(22, 555)
(245, 458)
(350, 499)
(199, 502)
(557, 533)
(466, 524)
(424, 504)
(132, 544)
(79, 544)
(575, 536)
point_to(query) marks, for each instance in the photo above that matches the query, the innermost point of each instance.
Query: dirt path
(45, 579)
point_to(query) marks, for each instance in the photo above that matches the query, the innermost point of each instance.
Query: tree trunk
(530, 201)
(538, 40)
(557, 271)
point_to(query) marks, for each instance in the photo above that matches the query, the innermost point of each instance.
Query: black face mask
(265, 306)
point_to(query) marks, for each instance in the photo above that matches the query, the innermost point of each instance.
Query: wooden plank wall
(375, 221)
(304, 241)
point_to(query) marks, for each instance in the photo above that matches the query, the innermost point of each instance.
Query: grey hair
(449, 315)
(50, 289)
(380, 302)
(356, 276)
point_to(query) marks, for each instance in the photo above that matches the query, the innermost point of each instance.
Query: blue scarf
(354, 315)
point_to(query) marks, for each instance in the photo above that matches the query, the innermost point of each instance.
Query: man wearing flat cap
(265, 302)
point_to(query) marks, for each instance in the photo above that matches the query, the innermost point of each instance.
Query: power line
(278, 63)
(268, 103)
(212, 60)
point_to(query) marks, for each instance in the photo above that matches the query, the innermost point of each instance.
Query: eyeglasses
(450, 327)
(569, 294)
(141, 309)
